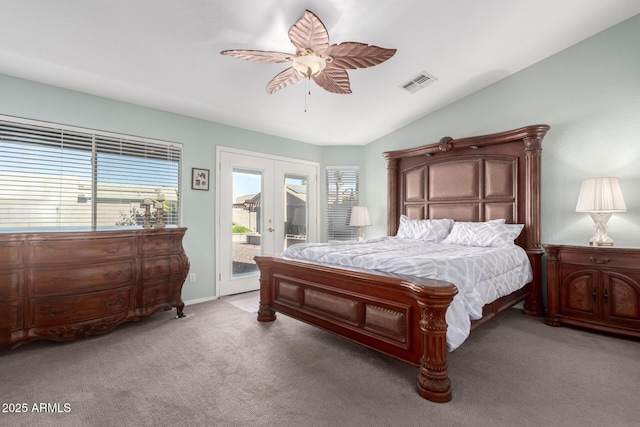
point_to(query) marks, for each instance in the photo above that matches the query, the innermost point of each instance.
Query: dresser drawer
(162, 268)
(11, 253)
(10, 284)
(78, 251)
(599, 258)
(10, 316)
(156, 293)
(158, 243)
(58, 311)
(69, 280)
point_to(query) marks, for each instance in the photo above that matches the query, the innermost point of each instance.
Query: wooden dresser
(594, 287)
(65, 285)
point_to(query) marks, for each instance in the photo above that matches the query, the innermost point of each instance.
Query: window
(54, 176)
(342, 194)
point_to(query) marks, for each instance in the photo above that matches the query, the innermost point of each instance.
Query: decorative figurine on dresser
(65, 285)
(595, 286)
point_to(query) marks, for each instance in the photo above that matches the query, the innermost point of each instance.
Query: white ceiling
(164, 54)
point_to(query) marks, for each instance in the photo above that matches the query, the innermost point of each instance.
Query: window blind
(343, 192)
(66, 177)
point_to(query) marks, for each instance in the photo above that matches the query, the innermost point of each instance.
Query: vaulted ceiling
(166, 55)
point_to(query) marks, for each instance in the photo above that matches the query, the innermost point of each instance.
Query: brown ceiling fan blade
(284, 79)
(259, 55)
(333, 79)
(352, 55)
(309, 33)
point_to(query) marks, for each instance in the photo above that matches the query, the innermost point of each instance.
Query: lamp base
(600, 243)
(600, 238)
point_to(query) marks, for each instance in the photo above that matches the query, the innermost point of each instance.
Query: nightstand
(594, 287)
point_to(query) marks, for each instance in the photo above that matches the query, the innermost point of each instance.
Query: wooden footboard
(403, 317)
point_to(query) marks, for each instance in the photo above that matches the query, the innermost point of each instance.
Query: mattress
(481, 274)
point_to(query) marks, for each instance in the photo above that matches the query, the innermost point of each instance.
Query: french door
(264, 204)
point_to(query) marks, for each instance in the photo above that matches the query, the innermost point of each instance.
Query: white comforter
(481, 274)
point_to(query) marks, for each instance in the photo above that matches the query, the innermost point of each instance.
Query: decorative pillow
(496, 221)
(429, 230)
(485, 234)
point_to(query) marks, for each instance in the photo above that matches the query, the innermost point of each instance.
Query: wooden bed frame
(468, 179)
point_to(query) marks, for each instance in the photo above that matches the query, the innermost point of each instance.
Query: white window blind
(54, 176)
(343, 192)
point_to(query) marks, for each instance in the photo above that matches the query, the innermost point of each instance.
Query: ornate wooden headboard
(472, 179)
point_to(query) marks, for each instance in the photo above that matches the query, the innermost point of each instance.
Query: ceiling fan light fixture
(309, 65)
(313, 53)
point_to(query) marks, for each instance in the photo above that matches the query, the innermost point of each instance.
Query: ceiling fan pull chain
(307, 90)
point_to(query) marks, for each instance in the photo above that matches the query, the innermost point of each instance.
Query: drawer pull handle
(600, 260)
(113, 250)
(114, 303)
(58, 281)
(58, 313)
(114, 276)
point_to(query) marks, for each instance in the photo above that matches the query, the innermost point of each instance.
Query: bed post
(532, 150)
(393, 216)
(266, 313)
(433, 378)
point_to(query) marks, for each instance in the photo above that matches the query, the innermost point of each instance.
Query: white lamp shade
(360, 216)
(601, 195)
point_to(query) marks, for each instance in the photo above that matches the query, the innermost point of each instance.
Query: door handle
(270, 229)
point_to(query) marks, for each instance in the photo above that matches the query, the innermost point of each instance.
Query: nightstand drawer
(598, 257)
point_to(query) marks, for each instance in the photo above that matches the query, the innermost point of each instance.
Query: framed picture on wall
(200, 179)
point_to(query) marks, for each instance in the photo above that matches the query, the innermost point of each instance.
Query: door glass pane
(247, 188)
(295, 199)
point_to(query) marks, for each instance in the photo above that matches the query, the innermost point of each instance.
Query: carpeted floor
(220, 367)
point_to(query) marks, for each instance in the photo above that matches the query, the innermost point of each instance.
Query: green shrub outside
(240, 229)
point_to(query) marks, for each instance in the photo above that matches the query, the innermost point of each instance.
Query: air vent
(418, 82)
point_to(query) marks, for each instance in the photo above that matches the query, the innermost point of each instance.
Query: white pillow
(429, 230)
(485, 234)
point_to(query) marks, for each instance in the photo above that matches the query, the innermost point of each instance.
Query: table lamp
(600, 197)
(360, 218)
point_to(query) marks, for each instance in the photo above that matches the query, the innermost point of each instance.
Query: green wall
(590, 96)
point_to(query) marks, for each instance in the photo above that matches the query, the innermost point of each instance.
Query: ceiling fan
(315, 59)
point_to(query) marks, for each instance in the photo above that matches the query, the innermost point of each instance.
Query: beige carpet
(220, 367)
